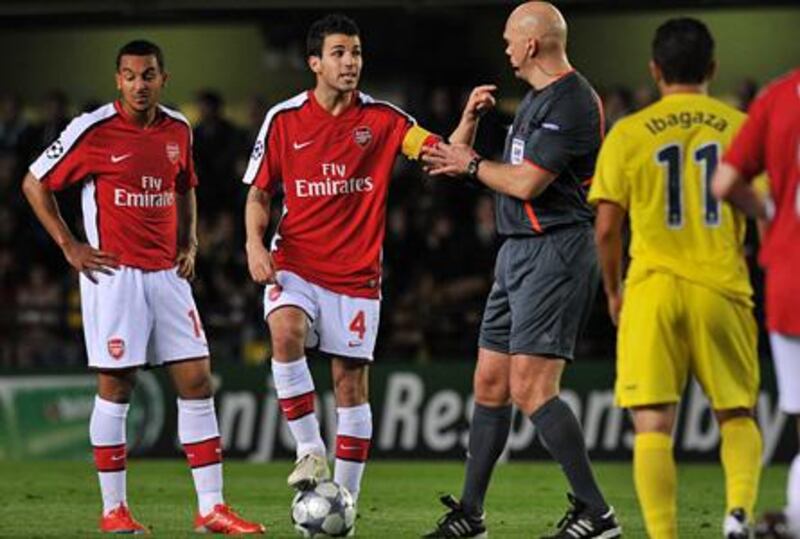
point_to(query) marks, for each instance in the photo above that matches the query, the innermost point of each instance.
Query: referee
(546, 273)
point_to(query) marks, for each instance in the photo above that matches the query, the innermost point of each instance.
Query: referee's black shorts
(543, 291)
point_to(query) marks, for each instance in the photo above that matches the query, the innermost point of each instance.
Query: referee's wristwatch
(472, 167)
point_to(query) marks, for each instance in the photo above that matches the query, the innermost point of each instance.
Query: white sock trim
(355, 421)
(197, 420)
(112, 490)
(196, 406)
(114, 409)
(208, 484)
(107, 422)
(292, 379)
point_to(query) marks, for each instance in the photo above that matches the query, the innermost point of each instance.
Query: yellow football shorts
(671, 327)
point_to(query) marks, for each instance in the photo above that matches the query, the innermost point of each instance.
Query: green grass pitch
(61, 499)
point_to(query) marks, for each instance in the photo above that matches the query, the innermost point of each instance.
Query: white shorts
(340, 325)
(786, 355)
(135, 318)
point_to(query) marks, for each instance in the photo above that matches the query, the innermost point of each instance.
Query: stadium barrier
(420, 411)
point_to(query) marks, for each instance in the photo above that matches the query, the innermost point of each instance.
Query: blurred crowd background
(440, 237)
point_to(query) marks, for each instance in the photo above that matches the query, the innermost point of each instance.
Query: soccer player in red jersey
(134, 159)
(331, 151)
(770, 141)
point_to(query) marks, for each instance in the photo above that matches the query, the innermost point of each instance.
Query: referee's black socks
(561, 435)
(488, 434)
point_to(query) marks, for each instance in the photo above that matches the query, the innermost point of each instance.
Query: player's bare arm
(186, 204)
(608, 237)
(81, 256)
(256, 220)
(523, 181)
(480, 101)
(731, 186)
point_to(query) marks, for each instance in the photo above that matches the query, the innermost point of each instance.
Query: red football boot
(223, 520)
(120, 520)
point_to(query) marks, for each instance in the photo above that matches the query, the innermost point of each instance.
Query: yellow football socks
(740, 452)
(656, 483)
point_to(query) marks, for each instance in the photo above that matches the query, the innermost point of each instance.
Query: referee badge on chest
(517, 150)
(173, 152)
(362, 135)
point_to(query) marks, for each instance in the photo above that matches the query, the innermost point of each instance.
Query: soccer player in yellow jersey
(686, 306)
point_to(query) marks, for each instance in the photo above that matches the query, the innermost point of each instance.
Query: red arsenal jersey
(130, 176)
(334, 172)
(770, 140)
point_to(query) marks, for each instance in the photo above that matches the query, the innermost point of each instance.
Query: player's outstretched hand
(86, 259)
(447, 159)
(480, 101)
(260, 264)
(185, 261)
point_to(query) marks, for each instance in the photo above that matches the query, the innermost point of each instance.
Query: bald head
(541, 21)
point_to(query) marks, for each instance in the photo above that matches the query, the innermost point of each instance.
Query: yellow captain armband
(761, 185)
(417, 138)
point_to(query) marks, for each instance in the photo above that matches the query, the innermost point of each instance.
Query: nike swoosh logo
(294, 407)
(118, 158)
(116, 457)
(349, 447)
(301, 145)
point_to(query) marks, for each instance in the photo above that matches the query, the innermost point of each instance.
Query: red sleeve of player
(746, 153)
(187, 179)
(60, 166)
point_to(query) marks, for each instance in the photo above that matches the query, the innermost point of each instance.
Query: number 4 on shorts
(358, 325)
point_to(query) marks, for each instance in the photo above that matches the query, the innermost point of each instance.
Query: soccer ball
(327, 509)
